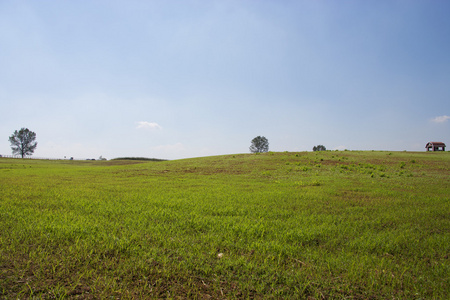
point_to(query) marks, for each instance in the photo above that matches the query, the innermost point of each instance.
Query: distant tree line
(23, 143)
(139, 158)
(319, 148)
(260, 144)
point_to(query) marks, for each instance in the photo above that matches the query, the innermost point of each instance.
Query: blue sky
(178, 79)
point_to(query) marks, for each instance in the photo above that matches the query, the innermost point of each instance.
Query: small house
(435, 146)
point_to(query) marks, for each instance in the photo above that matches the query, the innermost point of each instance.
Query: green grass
(334, 225)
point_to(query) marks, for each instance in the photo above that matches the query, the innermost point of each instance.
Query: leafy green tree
(259, 144)
(23, 142)
(319, 148)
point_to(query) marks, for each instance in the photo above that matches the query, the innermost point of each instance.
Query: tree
(319, 148)
(23, 142)
(259, 144)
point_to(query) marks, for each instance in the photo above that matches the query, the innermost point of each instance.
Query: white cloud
(148, 125)
(440, 119)
(340, 148)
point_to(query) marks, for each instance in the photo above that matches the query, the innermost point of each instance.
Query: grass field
(308, 225)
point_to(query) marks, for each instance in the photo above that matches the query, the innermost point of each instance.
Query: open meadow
(307, 225)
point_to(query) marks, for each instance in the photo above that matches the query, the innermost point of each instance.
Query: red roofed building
(435, 146)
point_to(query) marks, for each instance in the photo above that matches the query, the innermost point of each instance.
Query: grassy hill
(347, 224)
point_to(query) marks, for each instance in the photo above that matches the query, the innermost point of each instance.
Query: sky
(179, 79)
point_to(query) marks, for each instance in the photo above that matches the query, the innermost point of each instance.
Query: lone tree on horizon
(259, 144)
(319, 148)
(23, 142)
